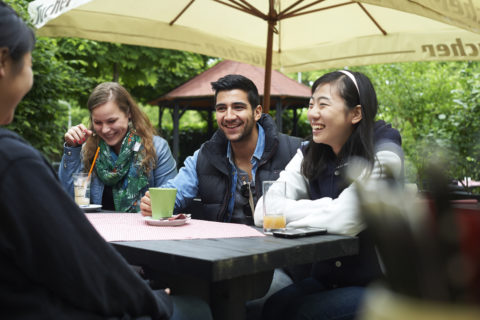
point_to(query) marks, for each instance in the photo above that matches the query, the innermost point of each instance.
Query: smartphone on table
(299, 232)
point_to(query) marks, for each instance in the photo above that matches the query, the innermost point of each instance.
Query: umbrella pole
(268, 67)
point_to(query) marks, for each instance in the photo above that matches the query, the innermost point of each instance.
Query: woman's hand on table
(77, 135)
(146, 205)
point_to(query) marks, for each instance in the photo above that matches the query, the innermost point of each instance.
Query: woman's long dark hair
(360, 142)
(15, 34)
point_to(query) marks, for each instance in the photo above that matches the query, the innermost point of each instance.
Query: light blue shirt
(186, 180)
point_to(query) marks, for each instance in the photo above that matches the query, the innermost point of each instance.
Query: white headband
(350, 75)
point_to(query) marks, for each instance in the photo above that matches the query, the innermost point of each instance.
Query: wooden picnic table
(230, 271)
(225, 264)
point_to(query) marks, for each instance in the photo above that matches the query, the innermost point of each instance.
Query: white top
(340, 215)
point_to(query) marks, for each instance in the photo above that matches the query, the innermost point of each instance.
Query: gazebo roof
(197, 92)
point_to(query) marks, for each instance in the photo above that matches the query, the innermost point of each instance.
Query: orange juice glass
(274, 222)
(273, 210)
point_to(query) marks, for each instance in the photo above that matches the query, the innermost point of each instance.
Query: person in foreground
(131, 157)
(341, 113)
(227, 172)
(53, 264)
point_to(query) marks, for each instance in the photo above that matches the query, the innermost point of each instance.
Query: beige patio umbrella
(289, 35)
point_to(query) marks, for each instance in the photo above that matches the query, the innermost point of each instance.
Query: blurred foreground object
(383, 304)
(430, 247)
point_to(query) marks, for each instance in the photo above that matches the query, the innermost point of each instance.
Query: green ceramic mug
(163, 202)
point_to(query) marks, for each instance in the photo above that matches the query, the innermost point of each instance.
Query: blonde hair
(112, 91)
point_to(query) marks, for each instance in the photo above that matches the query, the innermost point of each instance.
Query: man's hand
(146, 205)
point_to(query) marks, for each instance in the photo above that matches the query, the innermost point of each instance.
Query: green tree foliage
(146, 72)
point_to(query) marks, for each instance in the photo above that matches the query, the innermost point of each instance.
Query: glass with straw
(81, 184)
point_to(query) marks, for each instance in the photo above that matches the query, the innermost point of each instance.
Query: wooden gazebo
(197, 94)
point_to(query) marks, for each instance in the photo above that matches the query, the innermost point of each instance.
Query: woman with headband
(341, 113)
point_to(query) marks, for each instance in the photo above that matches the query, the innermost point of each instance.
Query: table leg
(227, 297)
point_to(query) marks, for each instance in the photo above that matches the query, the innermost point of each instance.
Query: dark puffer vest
(213, 169)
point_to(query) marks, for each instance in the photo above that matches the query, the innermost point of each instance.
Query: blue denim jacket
(164, 170)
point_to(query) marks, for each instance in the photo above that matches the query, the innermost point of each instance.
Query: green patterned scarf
(125, 175)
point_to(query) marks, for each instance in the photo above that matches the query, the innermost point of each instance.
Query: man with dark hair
(225, 175)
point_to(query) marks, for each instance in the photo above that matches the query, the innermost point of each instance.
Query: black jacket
(213, 169)
(53, 264)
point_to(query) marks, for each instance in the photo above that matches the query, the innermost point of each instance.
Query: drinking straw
(93, 163)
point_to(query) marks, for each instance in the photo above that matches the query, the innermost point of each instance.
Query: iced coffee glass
(81, 186)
